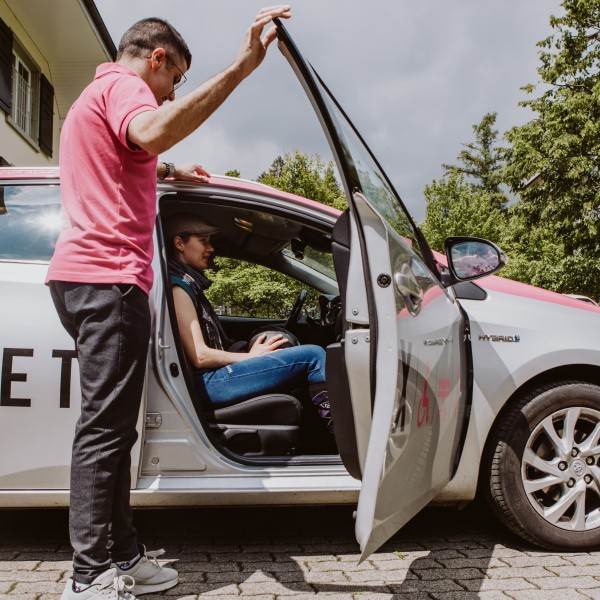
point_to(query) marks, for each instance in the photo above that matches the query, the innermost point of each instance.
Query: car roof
(222, 181)
(28, 173)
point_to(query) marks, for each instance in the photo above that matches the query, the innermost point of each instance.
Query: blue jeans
(279, 371)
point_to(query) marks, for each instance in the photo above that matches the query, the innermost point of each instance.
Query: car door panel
(40, 395)
(417, 384)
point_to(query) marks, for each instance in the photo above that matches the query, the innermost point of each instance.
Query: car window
(318, 260)
(29, 222)
(244, 289)
(367, 175)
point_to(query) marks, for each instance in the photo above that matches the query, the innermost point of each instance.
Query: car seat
(267, 425)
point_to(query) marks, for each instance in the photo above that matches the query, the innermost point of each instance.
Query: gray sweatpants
(110, 324)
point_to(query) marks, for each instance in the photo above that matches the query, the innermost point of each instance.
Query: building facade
(49, 50)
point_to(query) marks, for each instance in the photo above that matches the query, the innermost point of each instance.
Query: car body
(582, 298)
(429, 372)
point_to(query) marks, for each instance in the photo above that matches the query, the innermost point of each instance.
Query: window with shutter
(6, 59)
(26, 105)
(46, 115)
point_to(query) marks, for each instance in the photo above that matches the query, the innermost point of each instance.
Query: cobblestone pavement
(274, 553)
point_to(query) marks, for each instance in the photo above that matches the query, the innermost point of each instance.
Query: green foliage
(552, 164)
(253, 290)
(540, 259)
(455, 207)
(468, 199)
(481, 161)
(553, 161)
(232, 173)
(307, 176)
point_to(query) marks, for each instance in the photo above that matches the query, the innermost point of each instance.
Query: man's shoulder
(114, 76)
(113, 69)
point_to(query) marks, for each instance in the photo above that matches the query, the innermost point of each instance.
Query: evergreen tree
(553, 162)
(455, 207)
(468, 200)
(481, 160)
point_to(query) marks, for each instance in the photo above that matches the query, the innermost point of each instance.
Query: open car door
(398, 385)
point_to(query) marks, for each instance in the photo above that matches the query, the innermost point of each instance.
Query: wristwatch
(169, 170)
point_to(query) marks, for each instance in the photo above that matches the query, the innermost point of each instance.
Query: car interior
(283, 426)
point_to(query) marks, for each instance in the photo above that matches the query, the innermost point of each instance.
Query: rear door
(39, 391)
(402, 349)
(40, 396)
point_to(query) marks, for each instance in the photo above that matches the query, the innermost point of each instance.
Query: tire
(541, 466)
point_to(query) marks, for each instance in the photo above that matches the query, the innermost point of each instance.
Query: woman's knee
(315, 356)
(318, 352)
(304, 352)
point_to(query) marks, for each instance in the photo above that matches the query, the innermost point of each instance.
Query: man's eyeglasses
(183, 77)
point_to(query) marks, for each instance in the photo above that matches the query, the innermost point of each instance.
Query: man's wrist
(169, 170)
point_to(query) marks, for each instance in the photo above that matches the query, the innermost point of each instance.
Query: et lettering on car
(9, 376)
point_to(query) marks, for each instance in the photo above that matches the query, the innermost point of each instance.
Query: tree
(455, 207)
(481, 161)
(553, 161)
(305, 175)
(253, 290)
(468, 200)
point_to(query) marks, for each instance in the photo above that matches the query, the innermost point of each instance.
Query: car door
(402, 347)
(40, 396)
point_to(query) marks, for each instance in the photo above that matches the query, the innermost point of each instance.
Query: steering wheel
(296, 309)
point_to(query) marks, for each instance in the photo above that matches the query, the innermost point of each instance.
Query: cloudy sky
(414, 76)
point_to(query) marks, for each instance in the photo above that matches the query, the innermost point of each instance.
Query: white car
(583, 298)
(443, 381)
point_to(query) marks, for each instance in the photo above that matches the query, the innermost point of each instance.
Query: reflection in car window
(373, 183)
(315, 259)
(29, 222)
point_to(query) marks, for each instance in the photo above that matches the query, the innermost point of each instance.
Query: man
(100, 277)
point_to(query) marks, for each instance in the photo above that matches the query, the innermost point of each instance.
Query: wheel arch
(542, 514)
(584, 373)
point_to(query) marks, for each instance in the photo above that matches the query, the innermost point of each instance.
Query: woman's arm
(198, 353)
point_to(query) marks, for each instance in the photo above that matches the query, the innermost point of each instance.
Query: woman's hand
(265, 346)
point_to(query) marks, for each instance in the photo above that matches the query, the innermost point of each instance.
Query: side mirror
(471, 258)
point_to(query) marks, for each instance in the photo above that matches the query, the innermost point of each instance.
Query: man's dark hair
(146, 35)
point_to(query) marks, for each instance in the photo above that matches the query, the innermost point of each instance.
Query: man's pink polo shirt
(108, 189)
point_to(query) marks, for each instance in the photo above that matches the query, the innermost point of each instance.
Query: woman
(225, 377)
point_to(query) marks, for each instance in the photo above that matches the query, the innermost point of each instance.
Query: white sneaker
(107, 586)
(149, 576)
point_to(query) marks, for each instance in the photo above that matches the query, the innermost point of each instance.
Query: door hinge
(153, 420)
